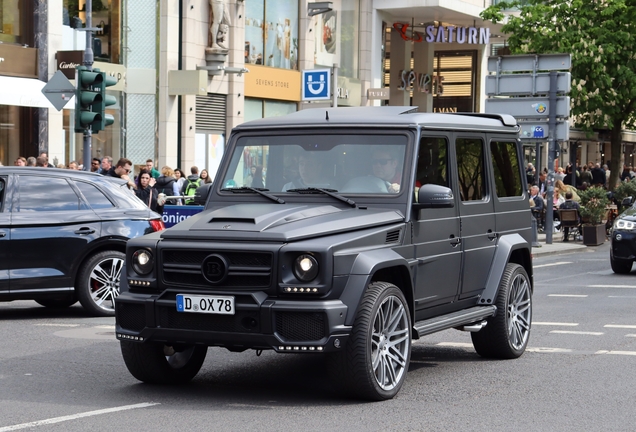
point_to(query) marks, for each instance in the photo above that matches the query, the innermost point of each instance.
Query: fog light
(336, 343)
(618, 237)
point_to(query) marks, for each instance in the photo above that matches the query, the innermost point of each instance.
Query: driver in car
(385, 167)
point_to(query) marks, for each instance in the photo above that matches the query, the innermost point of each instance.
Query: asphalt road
(62, 371)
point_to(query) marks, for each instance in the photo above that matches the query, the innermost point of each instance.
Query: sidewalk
(557, 246)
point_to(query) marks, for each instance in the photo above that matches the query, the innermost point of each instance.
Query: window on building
(271, 33)
(16, 22)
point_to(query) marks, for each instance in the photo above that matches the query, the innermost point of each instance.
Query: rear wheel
(98, 282)
(156, 363)
(621, 266)
(506, 334)
(378, 352)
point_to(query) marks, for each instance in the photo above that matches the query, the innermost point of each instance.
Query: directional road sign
(526, 84)
(530, 62)
(316, 84)
(59, 90)
(538, 131)
(528, 107)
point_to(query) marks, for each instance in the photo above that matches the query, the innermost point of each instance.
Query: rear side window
(96, 199)
(3, 185)
(505, 162)
(470, 168)
(42, 194)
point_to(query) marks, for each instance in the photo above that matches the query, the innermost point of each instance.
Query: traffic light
(107, 100)
(88, 99)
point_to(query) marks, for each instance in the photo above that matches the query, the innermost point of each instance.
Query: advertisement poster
(271, 34)
(328, 38)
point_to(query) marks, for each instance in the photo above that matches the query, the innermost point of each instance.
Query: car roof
(59, 172)
(387, 116)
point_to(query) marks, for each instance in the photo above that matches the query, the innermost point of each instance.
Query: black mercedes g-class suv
(358, 230)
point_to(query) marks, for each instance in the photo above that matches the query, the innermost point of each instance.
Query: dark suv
(370, 227)
(63, 235)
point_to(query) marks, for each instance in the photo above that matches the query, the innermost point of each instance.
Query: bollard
(535, 233)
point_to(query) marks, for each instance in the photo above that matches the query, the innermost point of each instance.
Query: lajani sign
(446, 34)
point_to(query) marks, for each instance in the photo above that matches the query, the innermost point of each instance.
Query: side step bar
(454, 319)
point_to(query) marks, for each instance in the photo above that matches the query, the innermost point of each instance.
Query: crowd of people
(150, 185)
(568, 182)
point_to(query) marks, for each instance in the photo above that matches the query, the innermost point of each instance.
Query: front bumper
(623, 244)
(259, 322)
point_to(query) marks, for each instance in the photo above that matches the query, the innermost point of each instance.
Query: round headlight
(306, 267)
(142, 261)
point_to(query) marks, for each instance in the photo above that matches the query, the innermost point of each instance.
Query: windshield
(355, 163)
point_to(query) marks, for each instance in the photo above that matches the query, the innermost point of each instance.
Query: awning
(25, 92)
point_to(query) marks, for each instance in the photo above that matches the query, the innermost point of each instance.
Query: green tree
(600, 35)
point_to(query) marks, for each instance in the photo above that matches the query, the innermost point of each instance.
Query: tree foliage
(601, 36)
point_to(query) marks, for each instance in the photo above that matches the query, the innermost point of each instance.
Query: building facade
(181, 89)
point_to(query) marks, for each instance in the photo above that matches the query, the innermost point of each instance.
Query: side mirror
(434, 196)
(627, 201)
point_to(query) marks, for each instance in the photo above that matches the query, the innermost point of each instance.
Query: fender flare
(364, 266)
(505, 246)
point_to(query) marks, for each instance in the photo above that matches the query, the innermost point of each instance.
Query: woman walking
(146, 191)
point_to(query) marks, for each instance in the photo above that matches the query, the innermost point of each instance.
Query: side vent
(392, 236)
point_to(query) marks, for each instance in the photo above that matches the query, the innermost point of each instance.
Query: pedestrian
(191, 184)
(569, 203)
(46, 156)
(42, 162)
(31, 161)
(147, 192)
(95, 165)
(73, 165)
(20, 161)
(122, 170)
(107, 164)
(205, 177)
(167, 184)
(150, 167)
(257, 181)
(180, 177)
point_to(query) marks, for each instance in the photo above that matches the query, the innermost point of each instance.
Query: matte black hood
(276, 222)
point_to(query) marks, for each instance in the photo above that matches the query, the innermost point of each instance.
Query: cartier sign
(67, 61)
(19, 61)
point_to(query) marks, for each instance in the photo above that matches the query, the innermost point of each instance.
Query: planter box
(593, 235)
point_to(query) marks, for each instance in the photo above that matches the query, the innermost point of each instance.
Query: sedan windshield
(343, 163)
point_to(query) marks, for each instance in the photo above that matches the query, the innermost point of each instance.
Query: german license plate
(223, 305)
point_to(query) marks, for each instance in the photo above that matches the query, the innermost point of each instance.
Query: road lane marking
(552, 264)
(621, 296)
(567, 295)
(630, 353)
(456, 344)
(57, 325)
(577, 332)
(613, 286)
(554, 324)
(620, 326)
(630, 335)
(548, 350)
(76, 416)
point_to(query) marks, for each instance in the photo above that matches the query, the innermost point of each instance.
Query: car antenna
(326, 115)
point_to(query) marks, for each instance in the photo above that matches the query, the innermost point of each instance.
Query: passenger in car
(310, 171)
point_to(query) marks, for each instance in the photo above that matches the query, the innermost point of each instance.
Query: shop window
(258, 108)
(271, 33)
(16, 22)
(106, 17)
(336, 38)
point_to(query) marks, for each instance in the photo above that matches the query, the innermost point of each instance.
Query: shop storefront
(21, 93)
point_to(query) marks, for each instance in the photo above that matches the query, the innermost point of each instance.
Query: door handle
(455, 241)
(3, 234)
(84, 231)
(491, 235)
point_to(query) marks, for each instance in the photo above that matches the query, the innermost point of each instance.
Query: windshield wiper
(330, 192)
(261, 191)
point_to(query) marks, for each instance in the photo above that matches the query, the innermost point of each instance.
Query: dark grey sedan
(63, 236)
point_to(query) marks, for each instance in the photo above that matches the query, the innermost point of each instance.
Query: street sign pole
(549, 214)
(88, 63)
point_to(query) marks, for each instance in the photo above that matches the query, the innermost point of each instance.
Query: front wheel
(377, 355)
(156, 363)
(621, 266)
(506, 334)
(98, 282)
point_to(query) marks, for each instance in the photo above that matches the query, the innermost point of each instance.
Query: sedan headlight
(142, 261)
(306, 267)
(622, 224)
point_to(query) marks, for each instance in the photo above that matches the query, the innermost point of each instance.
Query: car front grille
(300, 326)
(244, 268)
(131, 316)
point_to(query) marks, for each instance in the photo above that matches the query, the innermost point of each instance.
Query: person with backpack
(190, 185)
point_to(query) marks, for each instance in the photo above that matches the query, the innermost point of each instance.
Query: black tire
(621, 266)
(57, 303)
(156, 363)
(374, 366)
(506, 334)
(97, 283)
